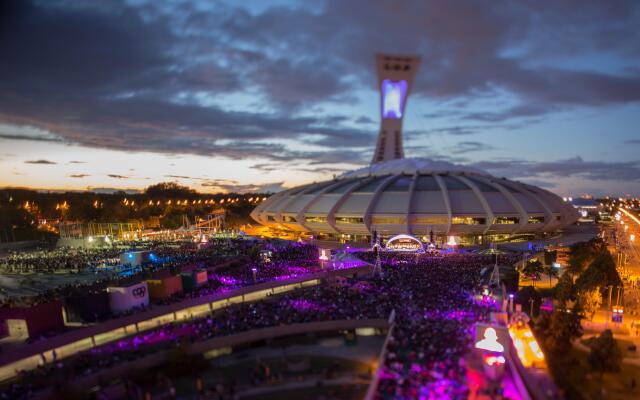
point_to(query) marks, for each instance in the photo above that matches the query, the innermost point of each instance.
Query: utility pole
(531, 308)
(606, 321)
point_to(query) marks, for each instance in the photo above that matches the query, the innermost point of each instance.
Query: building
(418, 197)
(587, 208)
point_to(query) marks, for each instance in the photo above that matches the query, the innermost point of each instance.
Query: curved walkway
(28, 357)
(255, 335)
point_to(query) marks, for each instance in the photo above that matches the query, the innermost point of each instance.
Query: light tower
(395, 76)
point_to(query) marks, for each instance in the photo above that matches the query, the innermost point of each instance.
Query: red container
(32, 321)
(160, 289)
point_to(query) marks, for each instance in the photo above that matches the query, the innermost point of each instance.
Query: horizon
(221, 98)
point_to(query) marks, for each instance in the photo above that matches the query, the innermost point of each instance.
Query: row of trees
(578, 294)
(20, 209)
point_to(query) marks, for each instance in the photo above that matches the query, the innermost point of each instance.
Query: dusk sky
(261, 95)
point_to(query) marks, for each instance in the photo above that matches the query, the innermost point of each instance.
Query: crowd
(226, 260)
(434, 308)
(58, 259)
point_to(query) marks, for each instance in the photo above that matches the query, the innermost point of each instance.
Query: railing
(27, 357)
(255, 335)
(375, 380)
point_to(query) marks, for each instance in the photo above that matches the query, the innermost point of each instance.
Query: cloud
(79, 175)
(183, 177)
(77, 162)
(632, 141)
(570, 168)
(233, 81)
(116, 176)
(233, 186)
(108, 190)
(41, 161)
(469, 147)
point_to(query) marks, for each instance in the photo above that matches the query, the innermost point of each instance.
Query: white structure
(416, 197)
(413, 196)
(395, 76)
(124, 298)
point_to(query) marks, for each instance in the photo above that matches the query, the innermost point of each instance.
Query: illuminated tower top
(395, 76)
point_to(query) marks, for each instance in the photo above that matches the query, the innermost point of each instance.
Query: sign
(139, 292)
(404, 243)
(492, 338)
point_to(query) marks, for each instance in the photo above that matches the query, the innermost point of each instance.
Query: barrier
(255, 335)
(28, 357)
(375, 380)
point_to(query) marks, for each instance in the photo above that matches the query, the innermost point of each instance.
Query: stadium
(421, 197)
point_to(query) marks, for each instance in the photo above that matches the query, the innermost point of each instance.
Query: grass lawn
(572, 373)
(623, 345)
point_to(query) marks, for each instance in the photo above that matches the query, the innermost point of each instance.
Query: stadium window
(536, 220)
(271, 218)
(349, 220)
(388, 220)
(289, 218)
(317, 220)
(468, 221)
(430, 220)
(506, 220)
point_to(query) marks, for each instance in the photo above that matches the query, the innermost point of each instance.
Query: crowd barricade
(28, 357)
(255, 335)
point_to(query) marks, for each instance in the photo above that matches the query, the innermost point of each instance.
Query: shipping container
(29, 322)
(89, 307)
(160, 289)
(194, 279)
(124, 298)
(137, 258)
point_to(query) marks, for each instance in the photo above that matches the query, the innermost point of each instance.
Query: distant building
(587, 208)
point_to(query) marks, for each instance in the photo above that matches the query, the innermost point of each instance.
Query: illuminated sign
(323, 255)
(492, 338)
(393, 95)
(404, 243)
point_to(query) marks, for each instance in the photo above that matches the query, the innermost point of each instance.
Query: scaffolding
(115, 230)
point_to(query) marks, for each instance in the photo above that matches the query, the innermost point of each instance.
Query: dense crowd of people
(230, 264)
(431, 298)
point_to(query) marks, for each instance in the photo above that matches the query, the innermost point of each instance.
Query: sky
(263, 95)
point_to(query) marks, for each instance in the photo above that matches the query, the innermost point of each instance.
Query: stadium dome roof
(416, 196)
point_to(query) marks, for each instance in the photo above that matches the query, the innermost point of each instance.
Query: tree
(551, 272)
(525, 296)
(563, 327)
(605, 355)
(533, 269)
(564, 290)
(583, 253)
(600, 273)
(590, 300)
(169, 189)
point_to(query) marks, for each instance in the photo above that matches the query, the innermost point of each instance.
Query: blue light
(393, 94)
(130, 255)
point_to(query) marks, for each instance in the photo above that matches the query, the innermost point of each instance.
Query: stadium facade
(418, 197)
